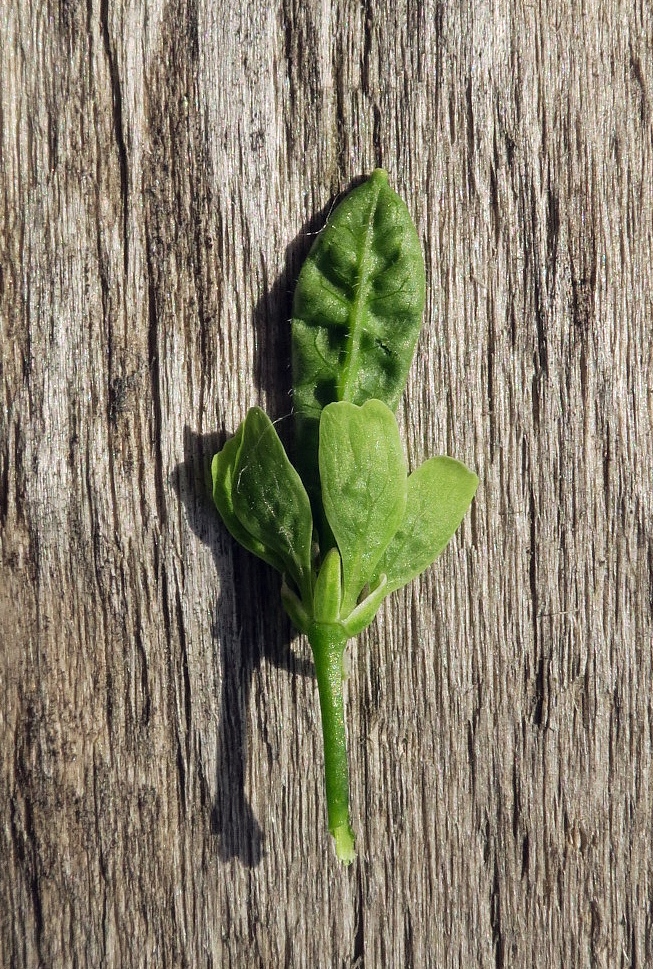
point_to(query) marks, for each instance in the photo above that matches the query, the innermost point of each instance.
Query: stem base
(328, 641)
(345, 843)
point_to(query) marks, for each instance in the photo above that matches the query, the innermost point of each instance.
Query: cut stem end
(345, 843)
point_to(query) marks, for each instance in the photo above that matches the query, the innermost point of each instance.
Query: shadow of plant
(244, 632)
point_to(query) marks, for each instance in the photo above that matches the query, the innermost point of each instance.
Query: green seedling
(347, 525)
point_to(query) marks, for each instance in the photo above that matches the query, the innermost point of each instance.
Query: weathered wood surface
(161, 803)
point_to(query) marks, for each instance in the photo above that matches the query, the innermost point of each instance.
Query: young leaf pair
(388, 526)
(350, 525)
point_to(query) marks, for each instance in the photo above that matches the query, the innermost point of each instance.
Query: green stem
(328, 641)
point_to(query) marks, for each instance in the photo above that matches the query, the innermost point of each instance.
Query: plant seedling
(347, 525)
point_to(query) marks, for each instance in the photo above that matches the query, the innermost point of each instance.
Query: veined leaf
(263, 501)
(270, 500)
(363, 473)
(357, 312)
(439, 493)
(222, 473)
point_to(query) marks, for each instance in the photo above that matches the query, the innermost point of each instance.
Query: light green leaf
(222, 473)
(363, 474)
(357, 312)
(364, 613)
(327, 594)
(439, 493)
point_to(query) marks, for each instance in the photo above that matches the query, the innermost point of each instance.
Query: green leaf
(269, 500)
(358, 304)
(222, 473)
(363, 473)
(357, 312)
(327, 594)
(439, 493)
(364, 613)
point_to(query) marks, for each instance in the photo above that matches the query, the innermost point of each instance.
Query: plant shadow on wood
(249, 624)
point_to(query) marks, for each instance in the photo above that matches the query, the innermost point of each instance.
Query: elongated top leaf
(363, 472)
(358, 303)
(439, 494)
(357, 312)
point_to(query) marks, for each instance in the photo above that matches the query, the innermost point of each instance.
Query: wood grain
(163, 169)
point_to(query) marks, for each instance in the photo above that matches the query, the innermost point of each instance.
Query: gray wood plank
(163, 169)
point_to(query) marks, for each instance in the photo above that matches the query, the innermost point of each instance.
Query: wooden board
(163, 168)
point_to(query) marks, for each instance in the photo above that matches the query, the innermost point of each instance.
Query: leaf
(358, 303)
(357, 312)
(439, 494)
(327, 593)
(269, 500)
(364, 613)
(363, 474)
(222, 473)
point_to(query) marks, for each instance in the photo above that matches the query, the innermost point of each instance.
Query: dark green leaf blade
(222, 473)
(358, 303)
(363, 473)
(357, 311)
(439, 493)
(270, 500)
